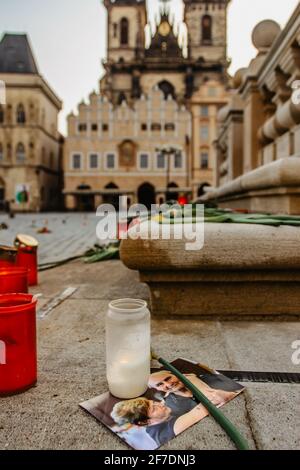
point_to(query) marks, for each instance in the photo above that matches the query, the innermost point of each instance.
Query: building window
(110, 161)
(167, 88)
(204, 111)
(144, 127)
(144, 161)
(1, 153)
(82, 127)
(9, 151)
(170, 126)
(21, 117)
(94, 127)
(93, 161)
(124, 31)
(76, 161)
(20, 153)
(105, 127)
(207, 29)
(1, 115)
(115, 30)
(204, 133)
(160, 161)
(155, 126)
(204, 160)
(178, 160)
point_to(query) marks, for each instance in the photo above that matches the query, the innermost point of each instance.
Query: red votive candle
(13, 279)
(18, 355)
(8, 256)
(27, 256)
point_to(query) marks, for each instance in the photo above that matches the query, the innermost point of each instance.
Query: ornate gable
(164, 43)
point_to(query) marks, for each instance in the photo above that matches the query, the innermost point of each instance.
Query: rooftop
(16, 55)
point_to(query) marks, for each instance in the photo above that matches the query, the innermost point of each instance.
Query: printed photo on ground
(166, 409)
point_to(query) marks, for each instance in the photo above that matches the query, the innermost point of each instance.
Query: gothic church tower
(206, 22)
(125, 29)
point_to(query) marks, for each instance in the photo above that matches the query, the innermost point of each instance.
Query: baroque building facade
(153, 97)
(30, 145)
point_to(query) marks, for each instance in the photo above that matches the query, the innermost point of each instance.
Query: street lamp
(167, 151)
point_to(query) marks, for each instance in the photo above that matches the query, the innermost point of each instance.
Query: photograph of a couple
(166, 409)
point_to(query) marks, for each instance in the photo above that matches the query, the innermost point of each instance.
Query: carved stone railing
(269, 94)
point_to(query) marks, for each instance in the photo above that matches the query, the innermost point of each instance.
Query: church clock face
(164, 28)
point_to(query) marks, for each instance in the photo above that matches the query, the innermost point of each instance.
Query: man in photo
(173, 388)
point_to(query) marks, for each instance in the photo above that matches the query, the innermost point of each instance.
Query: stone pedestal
(242, 270)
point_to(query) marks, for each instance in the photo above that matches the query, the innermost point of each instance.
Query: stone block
(240, 268)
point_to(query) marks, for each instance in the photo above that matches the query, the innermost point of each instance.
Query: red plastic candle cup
(18, 351)
(13, 279)
(27, 257)
(8, 256)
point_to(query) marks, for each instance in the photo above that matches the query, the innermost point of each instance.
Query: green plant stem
(224, 422)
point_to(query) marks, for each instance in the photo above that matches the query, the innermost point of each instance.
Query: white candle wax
(128, 377)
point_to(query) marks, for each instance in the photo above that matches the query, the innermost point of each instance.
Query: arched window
(115, 30)
(9, 151)
(20, 154)
(146, 194)
(207, 28)
(21, 117)
(1, 115)
(167, 88)
(124, 31)
(1, 152)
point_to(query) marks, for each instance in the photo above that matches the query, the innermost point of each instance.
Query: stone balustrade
(260, 125)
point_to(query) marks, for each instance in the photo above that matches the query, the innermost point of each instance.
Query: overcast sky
(69, 37)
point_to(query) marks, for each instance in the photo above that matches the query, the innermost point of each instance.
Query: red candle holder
(8, 256)
(13, 279)
(18, 354)
(27, 257)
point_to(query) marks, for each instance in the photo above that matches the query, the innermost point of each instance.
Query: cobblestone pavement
(71, 233)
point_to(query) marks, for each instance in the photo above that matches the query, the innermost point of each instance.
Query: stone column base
(241, 270)
(232, 295)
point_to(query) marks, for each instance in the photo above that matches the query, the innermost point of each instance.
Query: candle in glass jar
(27, 256)
(8, 255)
(128, 377)
(13, 280)
(128, 348)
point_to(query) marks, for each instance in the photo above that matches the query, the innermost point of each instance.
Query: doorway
(146, 195)
(85, 202)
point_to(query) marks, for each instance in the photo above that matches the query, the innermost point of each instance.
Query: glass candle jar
(8, 256)
(27, 256)
(18, 357)
(13, 279)
(128, 347)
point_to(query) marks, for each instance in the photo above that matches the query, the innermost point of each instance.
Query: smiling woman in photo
(159, 420)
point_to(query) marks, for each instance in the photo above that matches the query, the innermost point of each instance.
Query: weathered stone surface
(238, 270)
(226, 247)
(72, 369)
